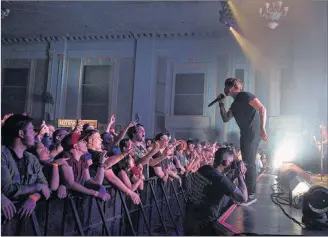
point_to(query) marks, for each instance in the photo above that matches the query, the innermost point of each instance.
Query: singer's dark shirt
(247, 118)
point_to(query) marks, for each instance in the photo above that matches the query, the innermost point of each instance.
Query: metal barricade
(160, 213)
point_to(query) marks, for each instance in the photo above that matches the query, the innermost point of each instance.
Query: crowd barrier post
(103, 219)
(157, 207)
(169, 208)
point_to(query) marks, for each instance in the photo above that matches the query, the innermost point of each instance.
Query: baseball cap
(70, 140)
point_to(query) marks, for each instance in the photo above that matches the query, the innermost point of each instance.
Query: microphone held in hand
(220, 97)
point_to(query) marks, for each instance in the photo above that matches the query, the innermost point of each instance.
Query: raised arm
(225, 115)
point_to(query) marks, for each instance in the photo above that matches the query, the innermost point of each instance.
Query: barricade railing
(160, 213)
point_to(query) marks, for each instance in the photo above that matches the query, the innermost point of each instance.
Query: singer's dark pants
(248, 148)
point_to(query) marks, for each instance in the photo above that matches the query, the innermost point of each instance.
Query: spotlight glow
(286, 152)
(238, 15)
(250, 51)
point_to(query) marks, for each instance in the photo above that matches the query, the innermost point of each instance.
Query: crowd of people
(37, 163)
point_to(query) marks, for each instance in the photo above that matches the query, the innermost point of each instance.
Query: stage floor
(316, 178)
(264, 217)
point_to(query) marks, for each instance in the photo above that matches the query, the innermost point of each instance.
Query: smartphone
(135, 170)
(136, 118)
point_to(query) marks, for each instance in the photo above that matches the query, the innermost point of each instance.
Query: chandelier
(4, 12)
(273, 12)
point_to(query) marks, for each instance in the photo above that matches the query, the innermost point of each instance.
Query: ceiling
(49, 18)
(92, 19)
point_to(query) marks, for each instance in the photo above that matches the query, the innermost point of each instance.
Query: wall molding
(123, 36)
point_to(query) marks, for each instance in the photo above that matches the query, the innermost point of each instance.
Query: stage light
(230, 28)
(315, 208)
(298, 187)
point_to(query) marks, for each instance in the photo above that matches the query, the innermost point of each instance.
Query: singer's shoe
(251, 199)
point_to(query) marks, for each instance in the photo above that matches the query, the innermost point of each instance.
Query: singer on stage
(250, 116)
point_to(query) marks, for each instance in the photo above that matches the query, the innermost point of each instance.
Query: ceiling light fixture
(4, 12)
(273, 12)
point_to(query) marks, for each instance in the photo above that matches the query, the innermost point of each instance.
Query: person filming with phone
(208, 188)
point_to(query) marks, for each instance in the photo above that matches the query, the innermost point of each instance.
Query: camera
(235, 170)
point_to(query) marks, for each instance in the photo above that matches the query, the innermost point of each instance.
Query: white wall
(149, 89)
(181, 55)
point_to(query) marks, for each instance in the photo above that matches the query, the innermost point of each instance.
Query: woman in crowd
(50, 168)
(179, 157)
(130, 174)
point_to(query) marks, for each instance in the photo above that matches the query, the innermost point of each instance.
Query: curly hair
(132, 130)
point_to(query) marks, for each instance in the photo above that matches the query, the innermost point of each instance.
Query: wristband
(96, 194)
(55, 165)
(33, 197)
(101, 165)
(128, 193)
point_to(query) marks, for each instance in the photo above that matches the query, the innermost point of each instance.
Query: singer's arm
(259, 106)
(225, 115)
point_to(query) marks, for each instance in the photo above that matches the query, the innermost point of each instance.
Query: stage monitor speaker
(297, 188)
(288, 167)
(295, 181)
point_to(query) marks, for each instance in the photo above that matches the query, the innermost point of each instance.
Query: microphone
(220, 97)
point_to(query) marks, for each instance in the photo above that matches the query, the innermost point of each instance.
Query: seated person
(207, 188)
(76, 174)
(21, 173)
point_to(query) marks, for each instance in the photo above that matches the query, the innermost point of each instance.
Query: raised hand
(103, 157)
(79, 126)
(7, 116)
(132, 124)
(112, 119)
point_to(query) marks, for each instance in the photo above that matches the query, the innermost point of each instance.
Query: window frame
(189, 69)
(82, 85)
(28, 87)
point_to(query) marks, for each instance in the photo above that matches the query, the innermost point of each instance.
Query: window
(95, 93)
(189, 94)
(14, 85)
(239, 73)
